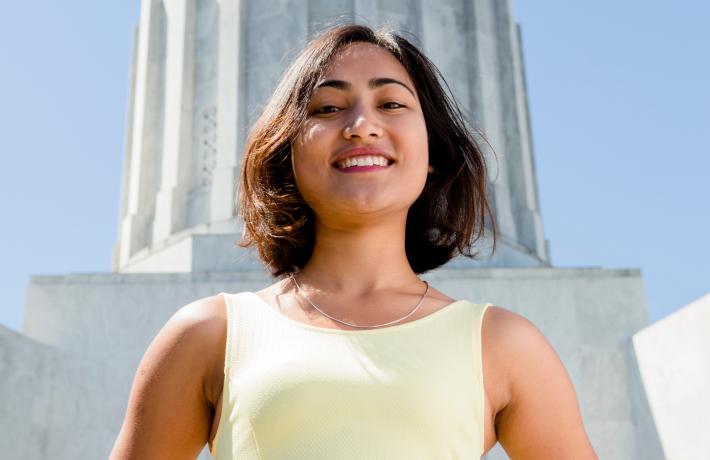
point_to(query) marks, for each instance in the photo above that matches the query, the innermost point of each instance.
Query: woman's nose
(362, 124)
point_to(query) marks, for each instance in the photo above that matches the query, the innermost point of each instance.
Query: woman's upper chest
(426, 368)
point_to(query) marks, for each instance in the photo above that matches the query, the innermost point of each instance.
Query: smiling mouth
(362, 162)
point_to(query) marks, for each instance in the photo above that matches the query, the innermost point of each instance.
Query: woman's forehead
(362, 59)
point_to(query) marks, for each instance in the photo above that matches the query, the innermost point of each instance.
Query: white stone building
(201, 70)
(673, 357)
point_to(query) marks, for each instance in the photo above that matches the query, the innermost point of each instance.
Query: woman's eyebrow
(372, 84)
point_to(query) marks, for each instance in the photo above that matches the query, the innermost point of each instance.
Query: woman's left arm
(542, 418)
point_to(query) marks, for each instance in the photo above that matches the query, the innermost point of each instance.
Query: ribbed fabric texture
(293, 391)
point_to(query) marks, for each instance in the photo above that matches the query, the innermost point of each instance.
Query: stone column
(405, 16)
(146, 132)
(229, 117)
(441, 33)
(170, 202)
(486, 64)
(324, 13)
(267, 54)
(365, 12)
(115, 263)
(516, 141)
(532, 216)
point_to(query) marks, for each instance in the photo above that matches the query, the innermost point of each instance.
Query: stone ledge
(252, 275)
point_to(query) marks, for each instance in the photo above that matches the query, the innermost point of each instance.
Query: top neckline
(377, 330)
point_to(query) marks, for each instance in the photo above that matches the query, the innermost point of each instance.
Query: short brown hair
(446, 220)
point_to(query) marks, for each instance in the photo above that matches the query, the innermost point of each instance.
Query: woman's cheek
(309, 181)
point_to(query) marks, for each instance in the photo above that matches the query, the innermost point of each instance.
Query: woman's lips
(354, 169)
(362, 152)
(362, 161)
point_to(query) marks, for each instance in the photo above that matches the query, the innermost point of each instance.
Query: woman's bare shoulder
(503, 324)
(508, 339)
(207, 317)
(530, 383)
(500, 330)
(204, 312)
(175, 375)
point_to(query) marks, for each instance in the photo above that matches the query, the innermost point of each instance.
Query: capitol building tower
(203, 69)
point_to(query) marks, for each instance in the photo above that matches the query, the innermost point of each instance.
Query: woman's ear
(431, 169)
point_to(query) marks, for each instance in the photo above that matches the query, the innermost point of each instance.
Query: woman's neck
(358, 261)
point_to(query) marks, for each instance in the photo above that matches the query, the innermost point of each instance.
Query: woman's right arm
(169, 415)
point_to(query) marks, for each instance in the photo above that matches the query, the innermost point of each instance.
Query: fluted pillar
(516, 140)
(266, 55)
(146, 132)
(531, 217)
(492, 100)
(365, 12)
(170, 202)
(229, 117)
(127, 156)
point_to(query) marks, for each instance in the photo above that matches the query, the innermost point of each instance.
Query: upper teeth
(365, 160)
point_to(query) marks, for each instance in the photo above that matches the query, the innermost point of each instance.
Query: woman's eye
(326, 109)
(393, 105)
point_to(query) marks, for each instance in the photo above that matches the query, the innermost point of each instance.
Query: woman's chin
(349, 204)
(363, 210)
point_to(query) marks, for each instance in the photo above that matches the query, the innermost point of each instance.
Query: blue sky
(620, 106)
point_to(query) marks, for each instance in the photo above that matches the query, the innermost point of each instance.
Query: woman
(359, 175)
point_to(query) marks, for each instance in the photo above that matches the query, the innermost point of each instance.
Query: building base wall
(96, 327)
(673, 357)
(195, 252)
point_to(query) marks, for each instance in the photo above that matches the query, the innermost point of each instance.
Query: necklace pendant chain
(303, 294)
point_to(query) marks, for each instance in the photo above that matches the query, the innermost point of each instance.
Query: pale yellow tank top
(293, 391)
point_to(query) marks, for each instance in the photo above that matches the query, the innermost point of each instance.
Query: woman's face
(363, 147)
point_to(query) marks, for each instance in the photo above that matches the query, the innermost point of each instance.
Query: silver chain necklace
(416, 307)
